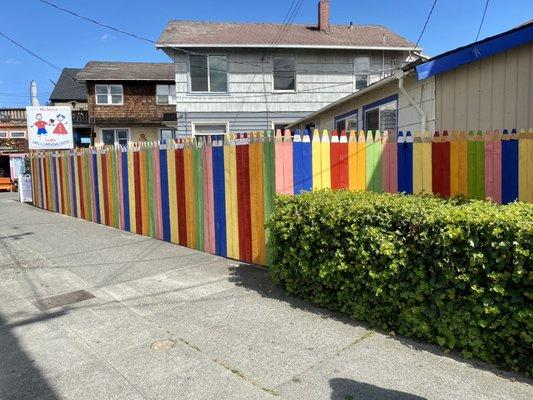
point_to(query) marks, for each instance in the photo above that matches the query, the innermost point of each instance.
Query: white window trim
(166, 129)
(274, 123)
(109, 101)
(6, 135)
(171, 101)
(12, 132)
(295, 73)
(101, 135)
(193, 125)
(189, 80)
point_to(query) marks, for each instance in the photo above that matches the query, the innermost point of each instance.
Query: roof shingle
(206, 34)
(126, 71)
(67, 88)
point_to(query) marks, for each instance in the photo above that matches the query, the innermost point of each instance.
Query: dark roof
(68, 89)
(487, 47)
(126, 71)
(216, 34)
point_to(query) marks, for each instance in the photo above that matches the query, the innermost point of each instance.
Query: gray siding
(322, 78)
(238, 122)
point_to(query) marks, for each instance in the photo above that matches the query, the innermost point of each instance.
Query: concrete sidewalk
(168, 322)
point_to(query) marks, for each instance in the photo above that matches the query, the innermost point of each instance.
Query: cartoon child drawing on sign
(60, 126)
(40, 124)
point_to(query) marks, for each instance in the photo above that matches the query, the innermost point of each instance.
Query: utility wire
(30, 52)
(285, 28)
(259, 65)
(482, 20)
(425, 25)
(283, 23)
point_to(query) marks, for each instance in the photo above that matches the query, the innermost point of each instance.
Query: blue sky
(69, 42)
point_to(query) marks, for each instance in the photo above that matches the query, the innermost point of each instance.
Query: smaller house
(485, 85)
(130, 101)
(13, 141)
(72, 93)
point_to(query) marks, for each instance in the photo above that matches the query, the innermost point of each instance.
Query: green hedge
(451, 272)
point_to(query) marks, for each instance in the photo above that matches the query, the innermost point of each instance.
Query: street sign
(49, 127)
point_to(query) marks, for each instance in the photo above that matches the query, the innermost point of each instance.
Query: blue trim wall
(475, 51)
(346, 115)
(380, 103)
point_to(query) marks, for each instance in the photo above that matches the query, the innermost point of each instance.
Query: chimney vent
(351, 25)
(323, 15)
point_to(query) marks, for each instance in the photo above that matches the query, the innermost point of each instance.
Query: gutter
(282, 46)
(400, 76)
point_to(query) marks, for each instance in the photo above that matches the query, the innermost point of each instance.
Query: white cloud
(12, 61)
(104, 37)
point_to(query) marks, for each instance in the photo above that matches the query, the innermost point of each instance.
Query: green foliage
(456, 273)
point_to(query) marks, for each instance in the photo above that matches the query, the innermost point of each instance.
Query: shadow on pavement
(257, 278)
(20, 378)
(347, 389)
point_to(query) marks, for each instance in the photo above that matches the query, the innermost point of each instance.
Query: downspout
(412, 101)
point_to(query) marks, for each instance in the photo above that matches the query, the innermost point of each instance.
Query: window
(208, 73)
(109, 94)
(382, 115)
(120, 136)
(347, 122)
(200, 129)
(362, 72)
(17, 135)
(166, 134)
(284, 74)
(165, 94)
(280, 125)
(310, 126)
(3, 135)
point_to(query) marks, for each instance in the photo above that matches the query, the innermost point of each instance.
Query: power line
(30, 52)
(189, 51)
(482, 20)
(291, 20)
(425, 25)
(283, 23)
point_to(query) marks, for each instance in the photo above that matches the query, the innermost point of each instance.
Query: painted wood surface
(215, 194)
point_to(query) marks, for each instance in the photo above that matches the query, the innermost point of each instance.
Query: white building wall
(322, 78)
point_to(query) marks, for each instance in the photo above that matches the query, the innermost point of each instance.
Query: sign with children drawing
(49, 128)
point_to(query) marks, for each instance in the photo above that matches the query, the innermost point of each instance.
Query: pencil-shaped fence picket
(215, 194)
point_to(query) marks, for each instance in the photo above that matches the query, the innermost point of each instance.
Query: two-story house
(70, 92)
(253, 76)
(130, 101)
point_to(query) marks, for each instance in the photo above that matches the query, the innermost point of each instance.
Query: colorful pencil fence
(215, 194)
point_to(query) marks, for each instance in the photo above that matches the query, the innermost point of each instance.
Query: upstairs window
(209, 73)
(284, 74)
(165, 94)
(3, 135)
(109, 95)
(362, 72)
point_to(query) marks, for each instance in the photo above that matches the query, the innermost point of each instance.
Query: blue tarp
(475, 51)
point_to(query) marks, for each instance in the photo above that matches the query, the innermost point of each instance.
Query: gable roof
(487, 47)
(216, 34)
(126, 71)
(67, 88)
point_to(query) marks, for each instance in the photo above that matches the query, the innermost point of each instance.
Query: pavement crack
(296, 378)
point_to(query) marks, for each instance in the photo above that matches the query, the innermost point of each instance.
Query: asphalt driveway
(164, 322)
